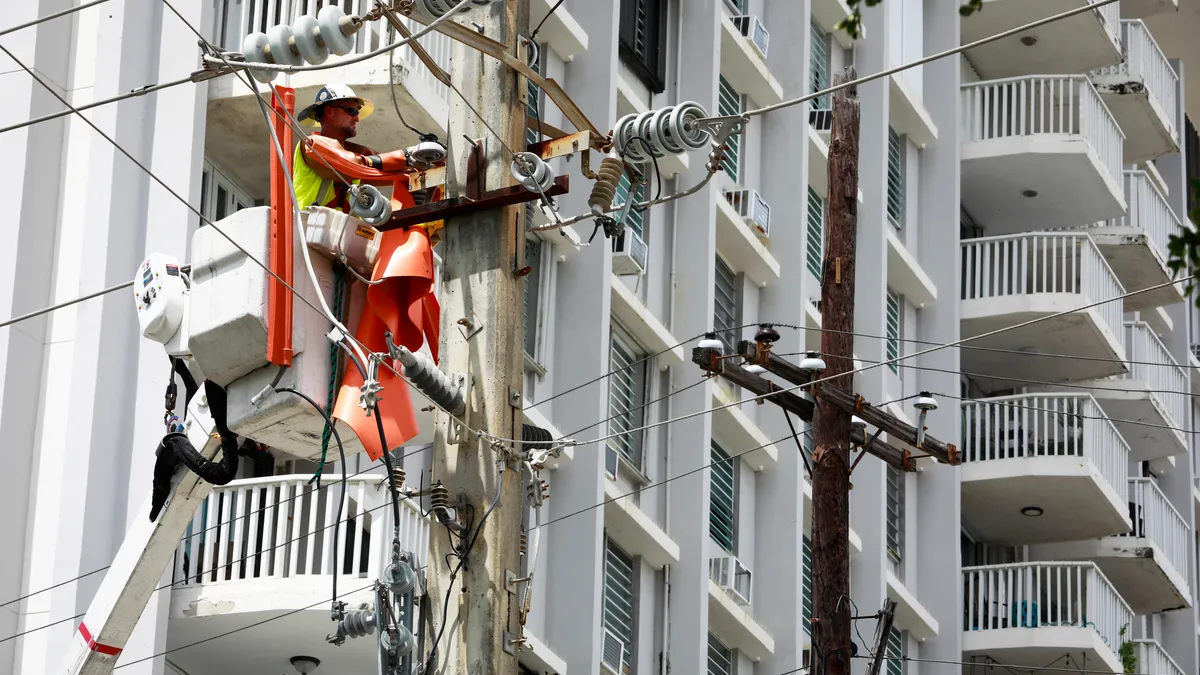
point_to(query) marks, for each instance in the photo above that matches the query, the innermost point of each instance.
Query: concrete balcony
(1154, 660)
(1077, 44)
(634, 530)
(1073, 45)
(742, 247)
(1039, 153)
(238, 139)
(1141, 93)
(1042, 468)
(1148, 565)
(1140, 9)
(741, 62)
(1009, 280)
(1029, 614)
(264, 548)
(730, 613)
(1135, 243)
(1149, 404)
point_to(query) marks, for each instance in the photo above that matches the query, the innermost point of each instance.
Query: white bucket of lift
(229, 338)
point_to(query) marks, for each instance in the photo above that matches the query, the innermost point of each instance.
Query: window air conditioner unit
(613, 657)
(732, 576)
(611, 462)
(629, 254)
(753, 209)
(751, 27)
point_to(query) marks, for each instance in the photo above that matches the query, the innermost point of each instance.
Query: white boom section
(146, 551)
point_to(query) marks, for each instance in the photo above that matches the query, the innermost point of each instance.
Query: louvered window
(722, 510)
(626, 396)
(895, 514)
(895, 653)
(720, 657)
(533, 294)
(725, 303)
(643, 36)
(618, 608)
(895, 179)
(893, 329)
(533, 106)
(729, 102)
(815, 250)
(819, 65)
(636, 218)
(806, 585)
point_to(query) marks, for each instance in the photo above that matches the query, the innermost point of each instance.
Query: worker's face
(340, 119)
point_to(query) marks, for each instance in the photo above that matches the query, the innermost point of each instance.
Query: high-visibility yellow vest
(310, 188)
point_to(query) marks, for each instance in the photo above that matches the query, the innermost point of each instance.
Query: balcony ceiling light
(1029, 193)
(1032, 511)
(1029, 40)
(305, 664)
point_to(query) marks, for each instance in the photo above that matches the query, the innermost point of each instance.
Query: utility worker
(337, 110)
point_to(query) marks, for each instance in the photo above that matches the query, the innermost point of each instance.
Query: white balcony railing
(280, 527)
(1042, 594)
(1148, 212)
(1150, 362)
(233, 19)
(1040, 262)
(1143, 58)
(1155, 519)
(1154, 660)
(1110, 16)
(1045, 425)
(1043, 104)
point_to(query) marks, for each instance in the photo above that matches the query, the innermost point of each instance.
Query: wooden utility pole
(831, 424)
(481, 334)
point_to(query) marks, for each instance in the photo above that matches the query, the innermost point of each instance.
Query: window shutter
(720, 657)
(722, 510)
(729, 102)
(618, 604)
(895, 653)
(819, 60)
(806, 585)
(642, 32)
(626, 394)
(815, 251)
(893, 329)
(635, 220)
(725, 304)
(895, 193)
(533, 258)
(895, 513)
(533, 106)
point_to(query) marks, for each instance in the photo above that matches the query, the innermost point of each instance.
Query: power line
(55, 15)
(61, 305)
(140, 91)
(929, 59)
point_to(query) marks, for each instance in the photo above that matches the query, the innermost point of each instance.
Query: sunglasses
(349, 110)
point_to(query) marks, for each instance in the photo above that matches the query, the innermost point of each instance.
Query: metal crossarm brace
(945, 453)
(713, 362)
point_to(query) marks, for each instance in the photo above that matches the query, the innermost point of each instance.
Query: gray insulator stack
(536, 438)
(357, 624)
(424, 374)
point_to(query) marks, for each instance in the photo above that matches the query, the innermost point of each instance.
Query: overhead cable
(55, 15)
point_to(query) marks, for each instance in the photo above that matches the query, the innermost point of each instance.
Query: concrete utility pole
(482, 334)
(831, 429)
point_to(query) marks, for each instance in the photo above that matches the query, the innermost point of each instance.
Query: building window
(729, 102)
(720, 657)
(618, 609)
(725, 305)
(533, 106)
(533, 295)
(819, 65)
(738, 7)
(219, 196)
(722, 509)
(895, 179)
(643, 36)
(806, 584)
(895, 653)
(893, 329)
(627, 393)
(636, 218)
(815, 251)
(895, 514)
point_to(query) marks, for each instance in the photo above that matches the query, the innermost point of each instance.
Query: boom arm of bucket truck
(148, 548)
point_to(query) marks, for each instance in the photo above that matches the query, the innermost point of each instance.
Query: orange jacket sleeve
(321, 153)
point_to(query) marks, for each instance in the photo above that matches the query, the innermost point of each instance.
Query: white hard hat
(335, 92)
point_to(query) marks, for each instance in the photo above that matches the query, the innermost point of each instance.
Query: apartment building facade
(685, 545)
